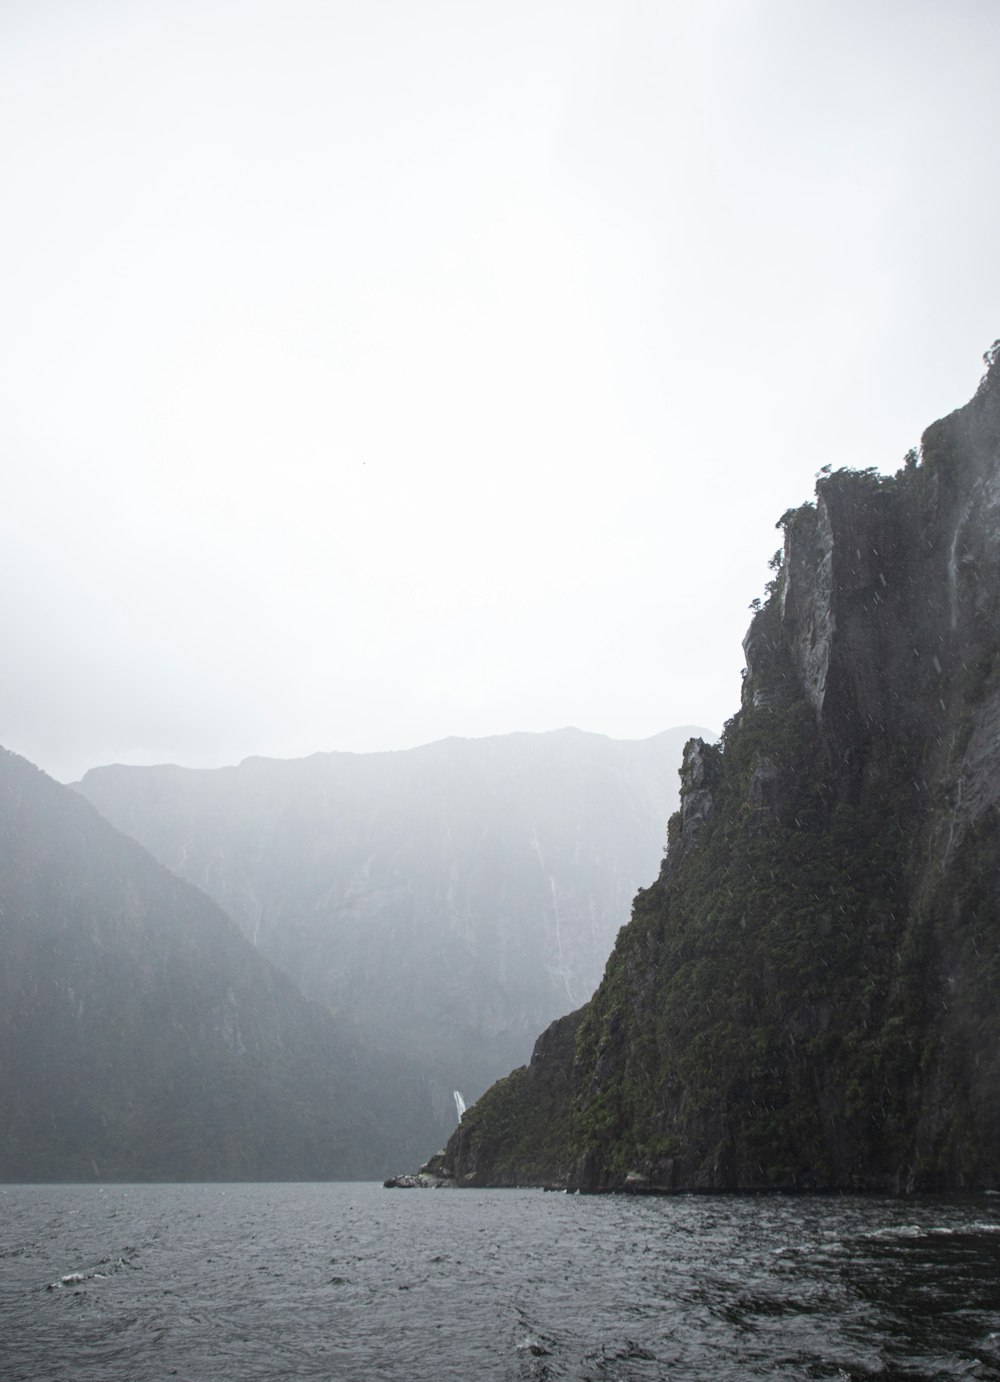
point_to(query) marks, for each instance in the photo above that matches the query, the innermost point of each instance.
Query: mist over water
(350, 1281)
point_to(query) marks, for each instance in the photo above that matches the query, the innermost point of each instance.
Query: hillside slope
(446, 901)
(807, 995)
(141, 1037)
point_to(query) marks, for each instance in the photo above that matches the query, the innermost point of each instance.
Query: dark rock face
(447, 902)
(806, 997)
(141, 1037)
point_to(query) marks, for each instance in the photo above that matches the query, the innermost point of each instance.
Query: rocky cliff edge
(806, 997)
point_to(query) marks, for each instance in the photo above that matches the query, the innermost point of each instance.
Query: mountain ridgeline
(807, 995)
(143, 1038)
(447, 902)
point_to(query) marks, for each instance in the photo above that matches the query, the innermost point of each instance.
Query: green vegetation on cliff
(806, 996)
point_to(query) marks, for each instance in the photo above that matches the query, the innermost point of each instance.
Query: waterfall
(953, 560)
(459, 1105)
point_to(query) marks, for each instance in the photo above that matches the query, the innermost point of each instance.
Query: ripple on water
(345, 1281)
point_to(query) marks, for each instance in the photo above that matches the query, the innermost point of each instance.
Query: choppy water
(357, 1282)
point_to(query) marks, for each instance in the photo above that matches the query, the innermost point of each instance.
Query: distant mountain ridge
(142, 1037)
(445, 901)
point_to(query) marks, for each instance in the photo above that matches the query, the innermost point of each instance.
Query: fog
(375, 373)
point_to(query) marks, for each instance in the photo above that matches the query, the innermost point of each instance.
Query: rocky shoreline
(433, 1175)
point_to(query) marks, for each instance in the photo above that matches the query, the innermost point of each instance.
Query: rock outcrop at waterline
(807, 995)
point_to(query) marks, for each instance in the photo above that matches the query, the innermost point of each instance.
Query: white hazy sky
(378, 370)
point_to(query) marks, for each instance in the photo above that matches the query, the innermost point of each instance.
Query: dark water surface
(357, 1282)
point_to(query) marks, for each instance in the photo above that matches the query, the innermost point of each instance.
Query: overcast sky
(378, 370)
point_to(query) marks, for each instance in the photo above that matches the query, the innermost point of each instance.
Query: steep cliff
(807, 995)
